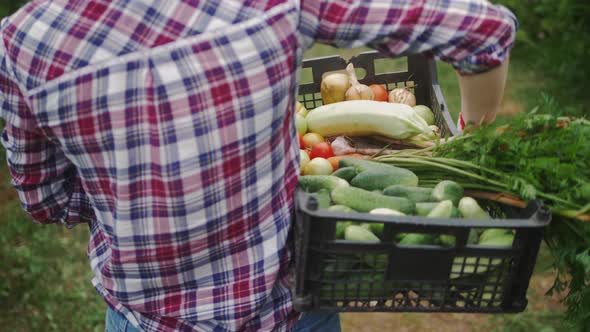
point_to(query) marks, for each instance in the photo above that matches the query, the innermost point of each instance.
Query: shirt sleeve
(472, 35)
(47, 183)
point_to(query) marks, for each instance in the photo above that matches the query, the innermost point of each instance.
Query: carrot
(336, 159)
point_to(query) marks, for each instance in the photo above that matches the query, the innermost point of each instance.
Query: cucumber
(353, 286)
(444, 209)
(359, 233)
(362, 165)
(323, 198)
(365, 201)
(470, 209)
(450, 240)
(341, 228)
(448, 190)
(417, 238)
(498, 241)
(423, 209)
(375, 228)
(455, 213)
(345, 173)
(340, 208)
(314, 183)
(415, 194)
(491, 233)
(378, 179)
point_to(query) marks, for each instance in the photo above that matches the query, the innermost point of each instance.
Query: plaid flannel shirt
(168, 127)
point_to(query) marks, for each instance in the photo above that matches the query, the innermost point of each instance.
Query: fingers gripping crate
(386, 276)
(420, 77)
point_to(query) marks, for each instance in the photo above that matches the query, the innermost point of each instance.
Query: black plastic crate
(420, 77)
(340, 275)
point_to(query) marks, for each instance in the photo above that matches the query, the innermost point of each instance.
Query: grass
(45, 275)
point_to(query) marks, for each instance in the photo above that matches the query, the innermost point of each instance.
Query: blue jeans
(310, 322)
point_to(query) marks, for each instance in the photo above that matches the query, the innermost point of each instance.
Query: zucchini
(345, 173)
(341, 229)
(367, 118)
(365, 201)
(448, 190)
(314, 183)
(470, 209)
(377, 179)
(340, 208)
(415, 194)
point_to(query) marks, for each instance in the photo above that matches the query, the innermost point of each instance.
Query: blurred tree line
(554, 36)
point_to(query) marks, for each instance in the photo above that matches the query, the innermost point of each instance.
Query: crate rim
(540, 218)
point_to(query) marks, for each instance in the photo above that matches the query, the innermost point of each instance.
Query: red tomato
(321, 150)
(301, 143)
(380, 92)
(311, 139)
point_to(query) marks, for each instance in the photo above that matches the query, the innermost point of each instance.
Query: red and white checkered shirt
(168, 127)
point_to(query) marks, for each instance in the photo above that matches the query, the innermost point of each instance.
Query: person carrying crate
(167, 127)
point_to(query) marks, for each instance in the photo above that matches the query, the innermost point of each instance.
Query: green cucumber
(362, 165)
(365, 201)
(345, 173)
(448, 190)
(470, 209)
(323, 198)
(491, 233)
(444, 209)
(379, 179)
(353, 286)
(340, 208)
(314, 183)
(497, 241)
(415, 194)
(423, 209)
(341, 228)
(359, 233)
(417, 238)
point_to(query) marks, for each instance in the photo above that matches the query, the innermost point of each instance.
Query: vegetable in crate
(313, 183)
(426, 113)
(368, 117)
(413, 193)
(450, 190)
(470, 209)
(402, 96)
(377, 179)
(334, 86)
(318, 166)
(364, 201)
(357, 91)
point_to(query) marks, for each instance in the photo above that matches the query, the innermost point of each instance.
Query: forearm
(481, 94)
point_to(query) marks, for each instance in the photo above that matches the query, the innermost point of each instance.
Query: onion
(318, 166)
(357, 91)
(402, 96)
(333, 87)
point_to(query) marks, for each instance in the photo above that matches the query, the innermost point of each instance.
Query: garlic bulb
(402, 96)
(333, 87)
(357, 91)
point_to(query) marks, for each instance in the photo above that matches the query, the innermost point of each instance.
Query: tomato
(321, 150)
(318, 166)
(380, 92)
(301, 143)
(311, 139)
